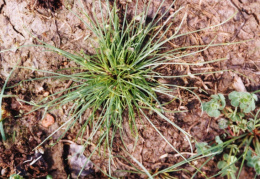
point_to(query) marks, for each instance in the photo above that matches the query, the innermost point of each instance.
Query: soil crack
(242, 24)
(13, 26)
(2, 6)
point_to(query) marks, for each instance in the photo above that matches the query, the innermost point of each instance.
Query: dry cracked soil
(51, 21)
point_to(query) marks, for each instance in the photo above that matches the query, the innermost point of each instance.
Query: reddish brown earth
(51, 21)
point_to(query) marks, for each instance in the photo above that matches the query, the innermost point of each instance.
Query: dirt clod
(48, 120)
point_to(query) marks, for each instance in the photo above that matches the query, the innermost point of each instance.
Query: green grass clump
(120, 77)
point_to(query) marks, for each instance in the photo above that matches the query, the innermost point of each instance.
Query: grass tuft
(118, 79)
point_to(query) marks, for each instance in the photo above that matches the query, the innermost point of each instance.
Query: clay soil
(51, 21)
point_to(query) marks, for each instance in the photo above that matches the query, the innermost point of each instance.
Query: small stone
(39, 89)
(4, 172)
(48, 121)
(46, 93)
(238, 84)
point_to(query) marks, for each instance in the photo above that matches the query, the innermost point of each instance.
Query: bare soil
(52, 22)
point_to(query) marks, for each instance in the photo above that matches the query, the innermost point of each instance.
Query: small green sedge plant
(241, 126)
(120, 77)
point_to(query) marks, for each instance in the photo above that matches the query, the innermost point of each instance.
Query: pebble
(48, 121)
(46, 93)
(4, 172)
